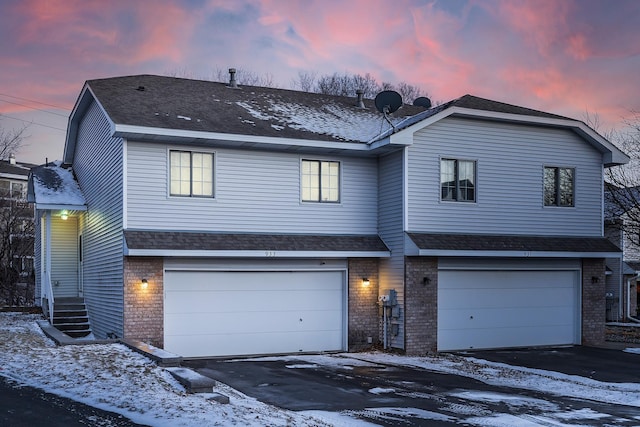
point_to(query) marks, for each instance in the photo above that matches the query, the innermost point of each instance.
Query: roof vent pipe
(360, 95)
(232, 78)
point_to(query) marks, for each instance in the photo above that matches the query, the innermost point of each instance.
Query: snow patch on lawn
(114, 378)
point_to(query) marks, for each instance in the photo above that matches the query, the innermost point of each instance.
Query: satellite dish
(422, 101)
(388, 101)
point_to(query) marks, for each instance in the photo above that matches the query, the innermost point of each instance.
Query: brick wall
(143, 308)
(421, 305)
(593, 301)
(363, 307)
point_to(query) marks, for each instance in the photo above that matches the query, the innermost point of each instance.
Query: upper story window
(458, 180)
(13, 189)
(18, 190)
(191, 174)
(559, 186)
(320, 181)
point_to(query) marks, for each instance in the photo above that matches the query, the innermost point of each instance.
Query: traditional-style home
(212, 219)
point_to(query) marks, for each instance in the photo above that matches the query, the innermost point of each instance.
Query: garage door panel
(274, 280)
(516, 336)
(543, 296)
(493, 309)
(497, 318)
(213, 313)
(524, 279)
(224, 301)
(201, 323)
(246, 343)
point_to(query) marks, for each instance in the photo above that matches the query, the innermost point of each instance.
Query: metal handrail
(48, 293)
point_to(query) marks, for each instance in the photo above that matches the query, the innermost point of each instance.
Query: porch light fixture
(425, 281)
(64, 215)
(365, 282)
(144, 284)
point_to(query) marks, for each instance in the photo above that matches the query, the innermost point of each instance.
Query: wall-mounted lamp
(366, 282)
(425, 281)
(64, 215)
(595, 279)
(144, 284)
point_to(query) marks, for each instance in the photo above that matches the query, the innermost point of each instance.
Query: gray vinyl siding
(255, 191)
(510, 160)
(64, 257)
(37, 257)
(98, 167)
(390, 220)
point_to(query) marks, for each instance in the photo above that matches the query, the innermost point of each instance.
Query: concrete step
(78, 334)
(69, 313)
(73, 326)
(70, 319)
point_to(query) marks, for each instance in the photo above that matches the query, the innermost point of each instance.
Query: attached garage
(225, 313)
(527, 304)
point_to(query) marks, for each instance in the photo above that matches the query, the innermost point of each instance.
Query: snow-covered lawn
(114, 378)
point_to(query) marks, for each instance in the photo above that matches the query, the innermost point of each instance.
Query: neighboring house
(622, 274)
(220, 220)
(16, 234)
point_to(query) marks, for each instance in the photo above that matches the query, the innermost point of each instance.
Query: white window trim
(575, 180)
(192, 150)
(340, 176)
(475, 177)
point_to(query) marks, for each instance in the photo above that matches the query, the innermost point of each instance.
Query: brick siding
(421, 305)
(593, 301)
(363, 304)
(143, 308)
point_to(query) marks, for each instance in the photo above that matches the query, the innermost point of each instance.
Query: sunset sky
(562, 56)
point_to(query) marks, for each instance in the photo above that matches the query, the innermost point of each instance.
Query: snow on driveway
(114, 378)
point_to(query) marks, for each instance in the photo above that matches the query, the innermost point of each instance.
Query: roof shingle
(479, 242)
(180, 240)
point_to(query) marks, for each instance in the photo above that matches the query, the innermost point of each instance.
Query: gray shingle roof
(206, 106)
(479, 242)
(15, 169)
(177, 240)
(54, 185)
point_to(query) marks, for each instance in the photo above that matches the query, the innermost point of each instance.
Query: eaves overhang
(508, 246)
(254, 253)
(152, 134)
(513, 254)
(59, 206)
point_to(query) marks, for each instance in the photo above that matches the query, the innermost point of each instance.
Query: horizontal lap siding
(254, 192)
(391, 231)
(510, 160)
(98, 166)
(38, 257)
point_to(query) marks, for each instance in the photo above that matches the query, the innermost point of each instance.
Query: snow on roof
(331, 119)
(55, 185)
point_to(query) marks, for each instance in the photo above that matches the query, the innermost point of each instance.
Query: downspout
(629, 280)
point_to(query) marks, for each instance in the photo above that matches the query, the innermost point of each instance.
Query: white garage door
(494, 309)
(220, 313)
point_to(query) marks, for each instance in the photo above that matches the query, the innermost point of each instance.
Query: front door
(64, 257)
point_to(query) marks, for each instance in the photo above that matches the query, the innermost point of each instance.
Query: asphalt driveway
(392, 394)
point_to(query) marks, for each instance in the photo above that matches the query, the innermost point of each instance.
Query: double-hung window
(458, 180)
(559, 186)
(320, 181)
(191, 174)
